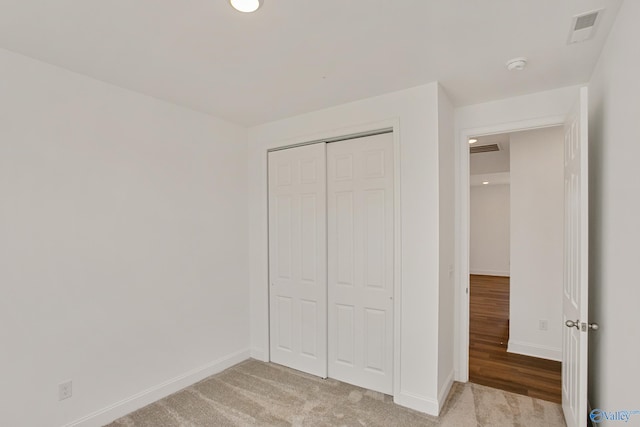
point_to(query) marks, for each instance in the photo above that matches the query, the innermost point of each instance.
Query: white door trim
(462, 227)
(394, 124)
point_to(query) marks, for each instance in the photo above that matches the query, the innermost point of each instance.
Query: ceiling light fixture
(516, 64)
(246, 5)
(473, 141)
(485, 182)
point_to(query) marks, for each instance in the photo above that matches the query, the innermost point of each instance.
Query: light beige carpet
(254, 393)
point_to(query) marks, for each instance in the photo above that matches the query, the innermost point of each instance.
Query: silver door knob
(572, 324)
(594, 326)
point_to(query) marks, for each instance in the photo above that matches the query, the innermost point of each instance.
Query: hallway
(489, 362)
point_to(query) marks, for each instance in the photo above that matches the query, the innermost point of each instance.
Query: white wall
(506, 115)
(489, 249)
(614, 190)
(446, 309)
(537, 242)
(416, 112)
(123, 245)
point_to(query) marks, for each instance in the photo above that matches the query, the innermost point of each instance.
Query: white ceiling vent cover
(583, 26)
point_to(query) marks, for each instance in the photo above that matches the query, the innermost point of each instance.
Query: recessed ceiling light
(246, 5)
(473, 141)
(485, 182)
(516, 64)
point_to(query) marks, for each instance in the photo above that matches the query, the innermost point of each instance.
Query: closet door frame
(390, 125)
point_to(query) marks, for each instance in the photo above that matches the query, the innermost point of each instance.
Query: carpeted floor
(254, 393)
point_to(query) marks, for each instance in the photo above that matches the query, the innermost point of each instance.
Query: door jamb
(463, 226)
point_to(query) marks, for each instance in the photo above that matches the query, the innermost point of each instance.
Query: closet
(331, 228)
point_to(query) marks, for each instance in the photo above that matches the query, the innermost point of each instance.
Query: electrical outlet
(65, 390)
(543, 325)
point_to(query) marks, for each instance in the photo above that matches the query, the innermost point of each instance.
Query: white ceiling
(502, 139)
(295, 56)
(499, 178)
(493, 162)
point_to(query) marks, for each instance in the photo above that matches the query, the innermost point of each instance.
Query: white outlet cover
(543, 325)
(65, 390)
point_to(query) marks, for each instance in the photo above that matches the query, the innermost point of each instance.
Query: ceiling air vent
(583, 26)
(484, 148)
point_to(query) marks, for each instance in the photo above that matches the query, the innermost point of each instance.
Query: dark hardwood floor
(489, 362)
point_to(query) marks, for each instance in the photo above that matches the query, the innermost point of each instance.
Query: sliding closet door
(360, 261)
(297, 258)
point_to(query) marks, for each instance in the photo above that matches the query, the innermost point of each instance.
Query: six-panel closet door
(331, 260)
(360, 261)
(297, 258)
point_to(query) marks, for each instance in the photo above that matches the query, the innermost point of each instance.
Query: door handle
(572, 324)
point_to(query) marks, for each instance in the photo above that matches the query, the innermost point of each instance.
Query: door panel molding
(576, 248)
(360, 210)
(389, 125)
(297, 259)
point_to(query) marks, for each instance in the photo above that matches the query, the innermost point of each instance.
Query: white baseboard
(444, 391)
(416, 402)
(489, 272)
(152, 394)
(259, 354)
(535, 350)
(425, 404)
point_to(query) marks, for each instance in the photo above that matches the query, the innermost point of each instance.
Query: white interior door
(297, 258)
(575, 292)
(360, 262)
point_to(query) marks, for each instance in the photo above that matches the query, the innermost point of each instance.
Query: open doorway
(516, 261)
